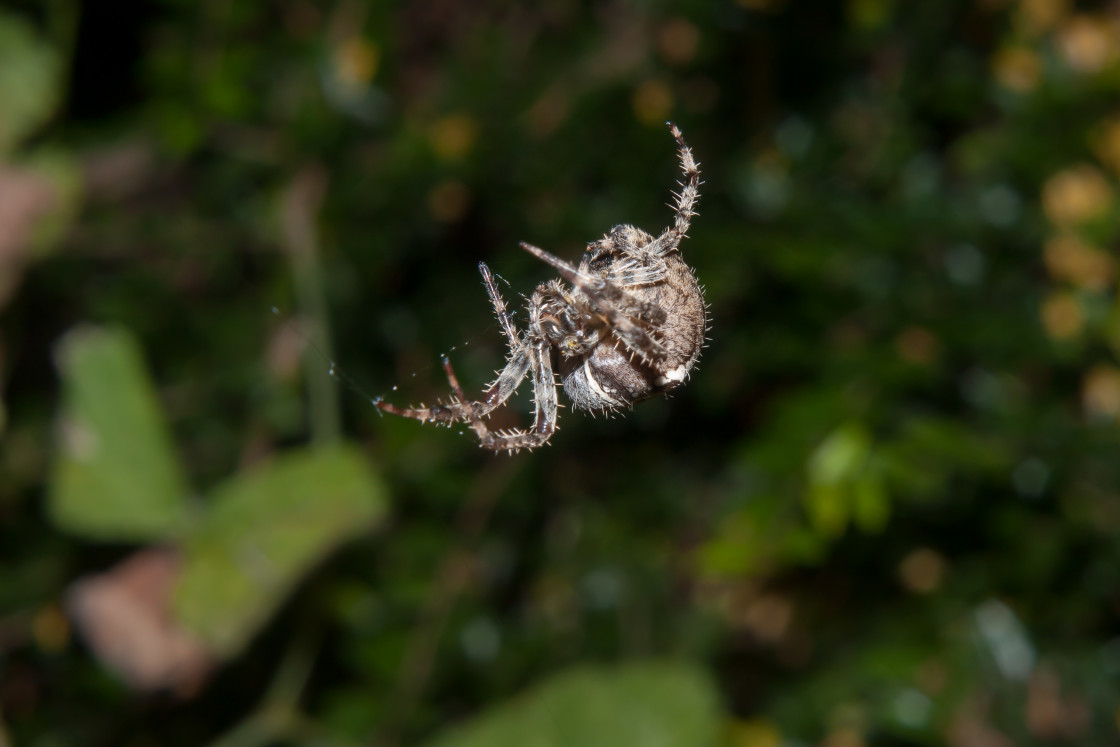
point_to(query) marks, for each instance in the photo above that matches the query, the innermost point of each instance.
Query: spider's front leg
(499, 303)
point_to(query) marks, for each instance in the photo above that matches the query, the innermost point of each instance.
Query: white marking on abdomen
(677, 375)
(595, 385)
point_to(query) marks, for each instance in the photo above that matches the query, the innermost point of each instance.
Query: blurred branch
(300, 204)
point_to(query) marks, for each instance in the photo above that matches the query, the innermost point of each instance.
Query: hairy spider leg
(439, 413)
(670, 239)
(608, 301)
(503, 387)
(461, 408)
(517, 367)
(544, 425)
(471, 416)
(500, 310)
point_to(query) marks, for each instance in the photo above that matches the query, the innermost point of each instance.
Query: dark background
(884, 509)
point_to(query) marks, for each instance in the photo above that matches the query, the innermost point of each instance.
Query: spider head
(580, 341)
(561, 326)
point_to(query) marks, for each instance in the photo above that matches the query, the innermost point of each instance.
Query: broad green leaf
(841, 456)
(650, 704)
(30, 81)
(116, 476)
(266, 528)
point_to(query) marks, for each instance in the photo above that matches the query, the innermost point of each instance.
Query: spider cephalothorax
(629, 325)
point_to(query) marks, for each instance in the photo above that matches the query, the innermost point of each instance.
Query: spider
(629, 327)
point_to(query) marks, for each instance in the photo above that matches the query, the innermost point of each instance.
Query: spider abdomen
(611, 375)
(605, 379)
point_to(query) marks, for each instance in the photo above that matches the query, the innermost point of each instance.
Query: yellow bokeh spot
(50, 629)
(453, 136)
(754, 733)
(1100, 392)
(1035, 17)
(678, 41)
(1062, 316)
(356, 60)
(1076, 195)
(652, 102)
(921, 571)
(1088, 43)
(1017, 69)
(448, 201)
(1071, 259)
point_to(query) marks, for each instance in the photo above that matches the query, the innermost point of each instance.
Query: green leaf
(841, 456)
(116, 476)
(265, 530)
(829, 508)
(871, 502)
(835, 471)
(650, 704)
(30, 81)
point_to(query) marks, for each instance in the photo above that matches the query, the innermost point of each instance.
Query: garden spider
(629, 327)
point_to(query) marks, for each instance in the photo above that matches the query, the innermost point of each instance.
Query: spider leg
(438, 413)
(685, 208)
(567, 271)
(502, 388)
(606, 300)
(632, 271)
(499, 304)
(544, 397)
(460, 408)
(605, 297)
(471, 416)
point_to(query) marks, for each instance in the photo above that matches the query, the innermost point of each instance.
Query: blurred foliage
(655, 705)
(30, 81)
(117, 477)
(883, 511)
(265, 529)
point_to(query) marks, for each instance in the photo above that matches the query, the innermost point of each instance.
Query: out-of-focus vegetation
(884, 511)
